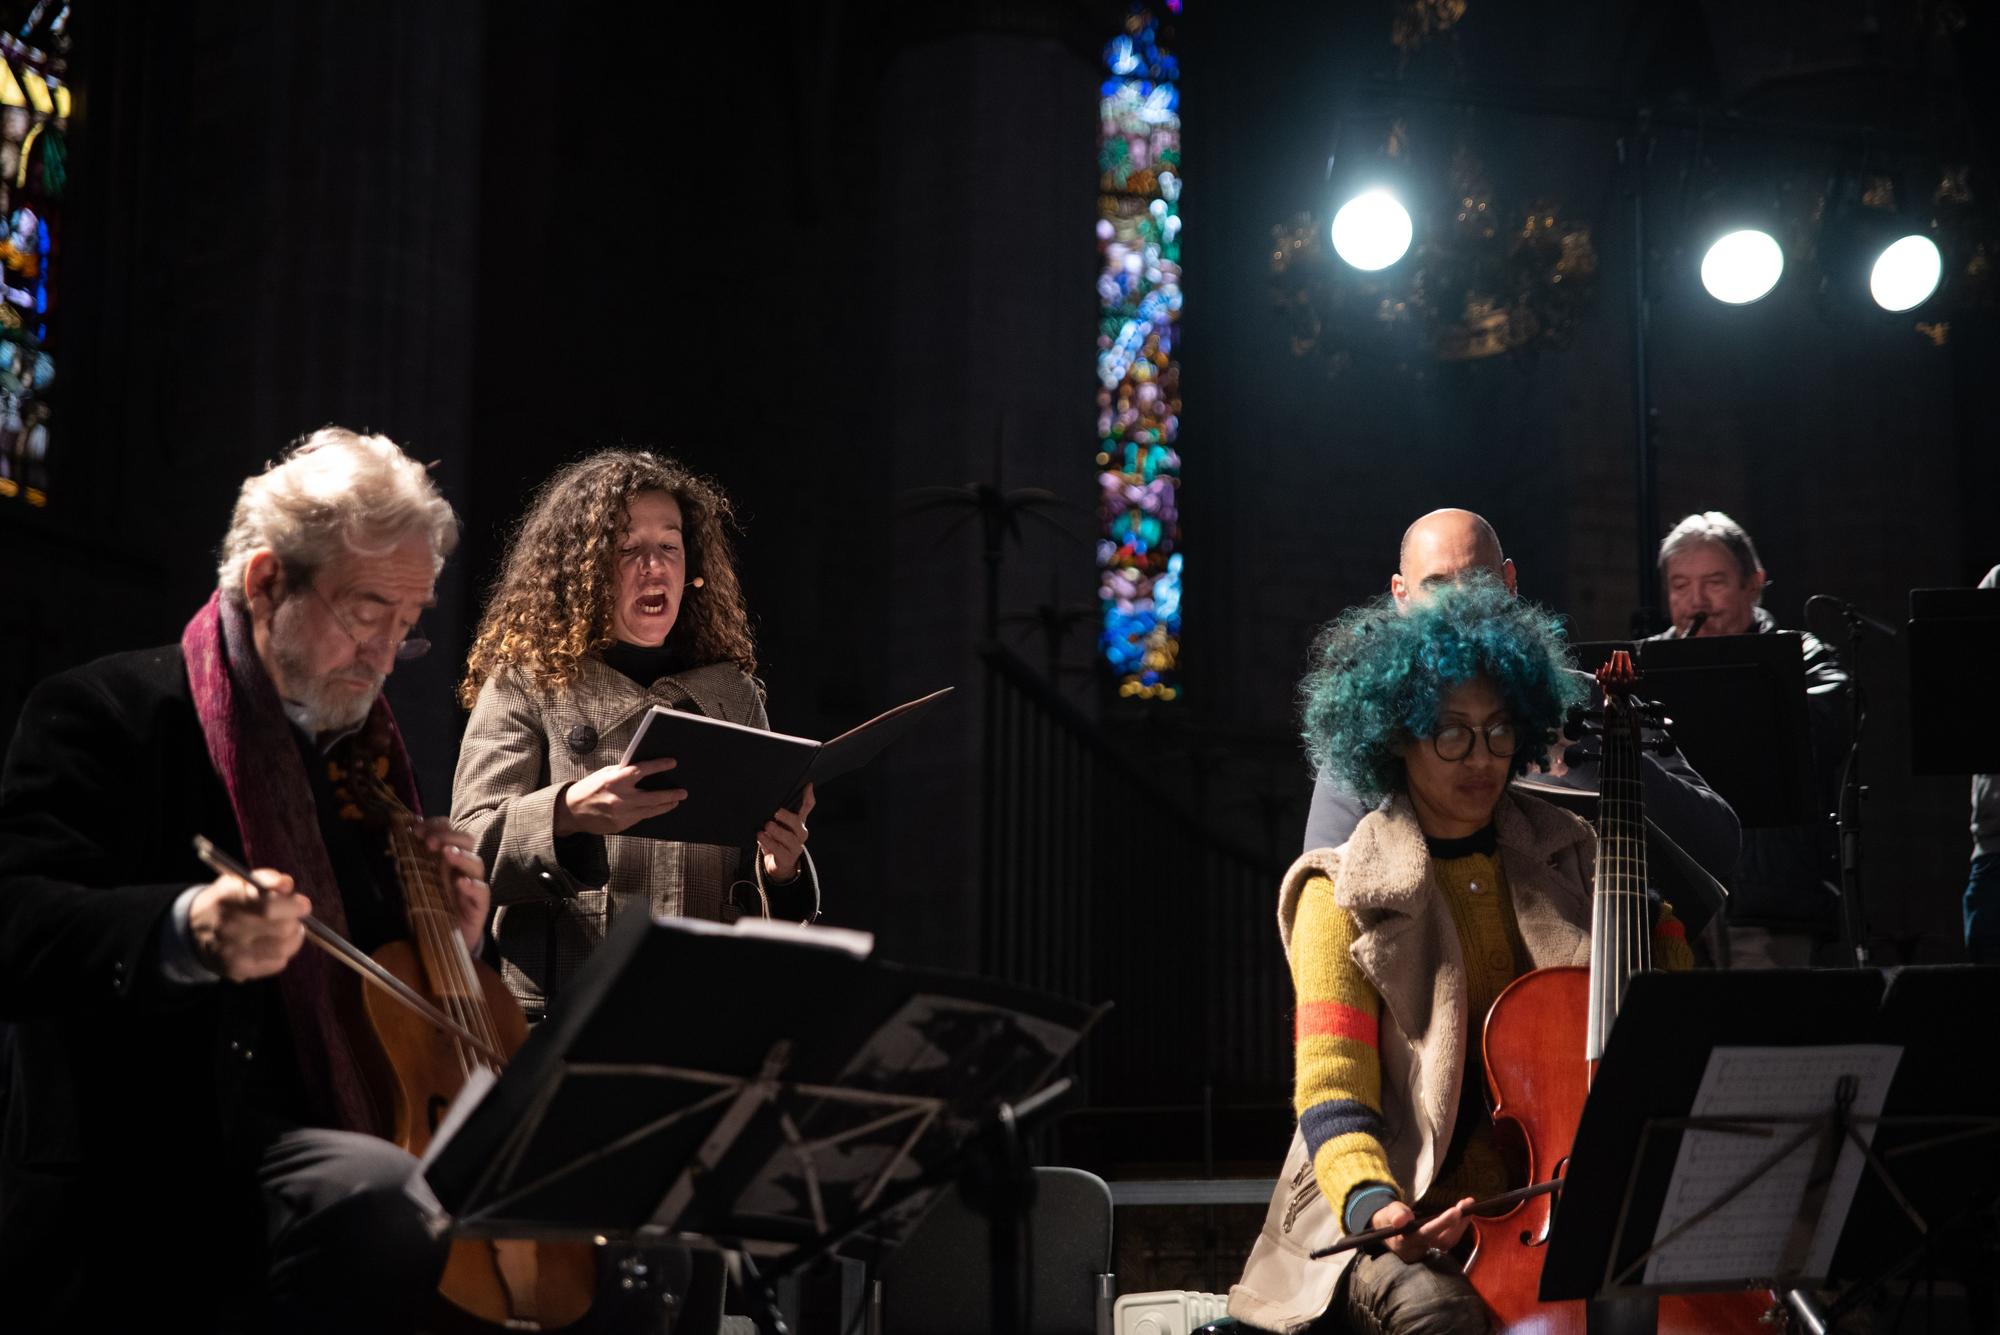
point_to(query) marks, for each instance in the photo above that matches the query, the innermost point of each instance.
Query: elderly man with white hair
(191, 1141)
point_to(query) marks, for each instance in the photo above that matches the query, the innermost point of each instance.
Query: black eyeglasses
(411, 646)
(1455, 742)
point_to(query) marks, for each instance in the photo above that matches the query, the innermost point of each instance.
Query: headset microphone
(694, 583)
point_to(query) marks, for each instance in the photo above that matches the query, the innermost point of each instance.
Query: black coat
(121, 1159)
(1786, 876)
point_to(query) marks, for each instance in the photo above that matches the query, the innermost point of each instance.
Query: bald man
(1439, 548)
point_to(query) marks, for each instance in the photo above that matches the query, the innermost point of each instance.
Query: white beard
(319, 706)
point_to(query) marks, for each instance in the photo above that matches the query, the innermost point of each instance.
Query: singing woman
(1400, 940)
(618, 592)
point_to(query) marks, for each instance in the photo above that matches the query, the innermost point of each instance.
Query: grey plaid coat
(555, 900)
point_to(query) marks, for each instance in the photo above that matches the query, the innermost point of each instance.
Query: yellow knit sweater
(1339, 1091)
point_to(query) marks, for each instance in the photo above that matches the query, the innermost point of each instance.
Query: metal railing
(1101, 886)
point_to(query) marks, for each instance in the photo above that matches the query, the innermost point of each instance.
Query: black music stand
(1954, 637)
(1737, 706)
(754, 1088)
(1951, 1063)
(1628, 1149)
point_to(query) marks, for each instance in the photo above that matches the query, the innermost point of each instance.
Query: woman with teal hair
(1401, 939)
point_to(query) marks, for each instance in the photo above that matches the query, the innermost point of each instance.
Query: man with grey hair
(1783, 900)
(1714, 581)
(1444, 546)
(183, 1068)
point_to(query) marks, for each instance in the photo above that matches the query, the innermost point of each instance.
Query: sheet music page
(1746, 1238)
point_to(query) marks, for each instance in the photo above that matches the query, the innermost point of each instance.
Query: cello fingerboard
(1620, 916)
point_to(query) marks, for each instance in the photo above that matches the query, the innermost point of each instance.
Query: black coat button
(582, 739)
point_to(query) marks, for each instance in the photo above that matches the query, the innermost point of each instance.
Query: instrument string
(1628, 836)
(453, 958)
(1614, 882)
(1615, 825)
(1642, 927)
(1621, 914)
(420, 908)
(434, 925)
(1612, 794)
(554, 1271)
(453, 947)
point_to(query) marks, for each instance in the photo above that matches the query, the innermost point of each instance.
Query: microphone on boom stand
(1847, 816)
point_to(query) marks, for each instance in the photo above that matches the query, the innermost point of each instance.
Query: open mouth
(652, 604)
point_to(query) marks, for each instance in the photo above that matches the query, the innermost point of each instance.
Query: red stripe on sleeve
(1338, 1019)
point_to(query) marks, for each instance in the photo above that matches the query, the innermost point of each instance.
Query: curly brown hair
(552, 602)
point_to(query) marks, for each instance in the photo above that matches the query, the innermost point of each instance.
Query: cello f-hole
(1548, 1211)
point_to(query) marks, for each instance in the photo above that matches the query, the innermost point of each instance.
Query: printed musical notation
(1746, 1239)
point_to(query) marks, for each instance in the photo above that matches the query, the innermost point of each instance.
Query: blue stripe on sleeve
(1338, 1117)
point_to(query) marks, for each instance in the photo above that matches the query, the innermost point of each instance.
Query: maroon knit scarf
(251, 744)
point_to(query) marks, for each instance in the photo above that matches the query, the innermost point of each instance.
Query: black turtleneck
(642, 664)
(1485, 840)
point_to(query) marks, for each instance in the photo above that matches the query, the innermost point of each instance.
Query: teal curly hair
(1380, 675)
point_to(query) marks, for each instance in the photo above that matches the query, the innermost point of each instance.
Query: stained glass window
(1138, 394)
(34, 143)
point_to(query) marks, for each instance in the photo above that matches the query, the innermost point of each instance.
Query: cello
(508, 1283)
(1543, 1039)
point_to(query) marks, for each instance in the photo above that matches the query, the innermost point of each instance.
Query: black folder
(736, 775)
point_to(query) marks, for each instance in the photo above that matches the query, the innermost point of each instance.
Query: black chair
(940, 1282)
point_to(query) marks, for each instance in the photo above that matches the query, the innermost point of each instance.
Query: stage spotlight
(1875, 261)
(1742, 266)
(1906, 273)
(1372, 230)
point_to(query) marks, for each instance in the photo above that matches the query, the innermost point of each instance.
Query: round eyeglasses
(1455, 742)
(413, 645)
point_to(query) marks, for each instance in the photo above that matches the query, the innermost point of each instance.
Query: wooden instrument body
(504, 1283)
(1533, 1033)
(1537, 1081)
(509, 1283)
(1541, 1051)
